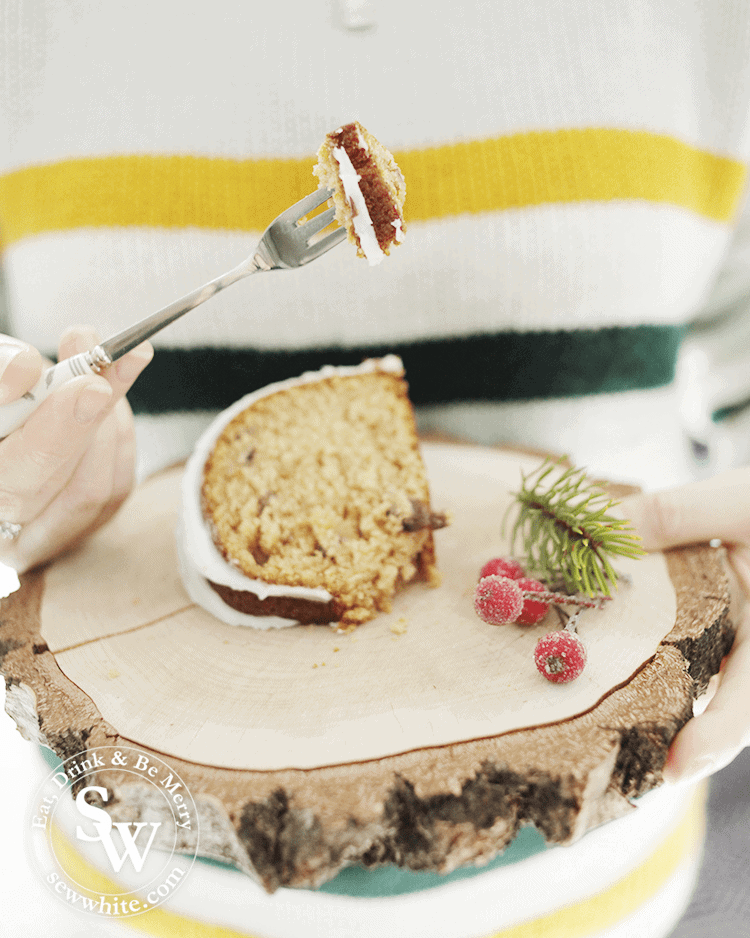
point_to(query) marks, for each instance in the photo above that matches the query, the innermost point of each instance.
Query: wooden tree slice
(426, 738)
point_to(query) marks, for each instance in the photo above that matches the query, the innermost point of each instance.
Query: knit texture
(574, 179)
(575, 175)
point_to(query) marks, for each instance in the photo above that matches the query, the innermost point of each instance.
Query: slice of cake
(308, 501)
(368, 189)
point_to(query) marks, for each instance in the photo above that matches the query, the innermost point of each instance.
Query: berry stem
(563, 599)
(572, 624)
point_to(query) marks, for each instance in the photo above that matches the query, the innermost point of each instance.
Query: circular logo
(113, 864)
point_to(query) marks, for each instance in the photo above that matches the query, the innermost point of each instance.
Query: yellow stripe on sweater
(496, 174)
(575, 921)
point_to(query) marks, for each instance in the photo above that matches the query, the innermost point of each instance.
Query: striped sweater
(576, 268)
(575, 174)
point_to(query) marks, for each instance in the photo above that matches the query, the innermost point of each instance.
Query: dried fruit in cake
(315, 495)
(368, 189)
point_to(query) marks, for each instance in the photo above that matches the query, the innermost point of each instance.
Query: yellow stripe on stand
(575, 921)
(496, 174)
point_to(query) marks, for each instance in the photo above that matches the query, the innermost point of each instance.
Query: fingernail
(129, 367)
(7, 353)
(698, 769)
(79, 339)
(91, 402)
(86, 340)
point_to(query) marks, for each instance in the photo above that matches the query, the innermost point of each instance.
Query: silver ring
(9, 530)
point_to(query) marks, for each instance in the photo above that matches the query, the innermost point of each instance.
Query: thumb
(709, 742)
(718, 507)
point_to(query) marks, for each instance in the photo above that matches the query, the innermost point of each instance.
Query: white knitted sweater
(574, 178)
(575, 175)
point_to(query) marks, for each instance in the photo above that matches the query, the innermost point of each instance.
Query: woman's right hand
(72, 464)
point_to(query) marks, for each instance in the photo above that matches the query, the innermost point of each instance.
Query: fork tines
(308, 229)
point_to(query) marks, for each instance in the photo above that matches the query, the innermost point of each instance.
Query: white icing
(199, 556)
(201, 593)
(361, 141)
(360, 215)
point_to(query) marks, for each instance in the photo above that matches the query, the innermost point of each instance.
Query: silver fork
(286, 243)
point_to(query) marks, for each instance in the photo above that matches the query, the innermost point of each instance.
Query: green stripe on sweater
(509, 366)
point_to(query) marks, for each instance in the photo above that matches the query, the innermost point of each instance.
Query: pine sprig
(566, 532)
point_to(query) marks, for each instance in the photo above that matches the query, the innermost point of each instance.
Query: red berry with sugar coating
(498, 599)
(560, 656)
(534, 610)
(502, 566)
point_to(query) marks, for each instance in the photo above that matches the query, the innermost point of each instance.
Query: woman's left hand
(698, 512)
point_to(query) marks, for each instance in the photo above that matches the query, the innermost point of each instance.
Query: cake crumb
(112, 674)
(399, 626)
(368, 189)
(351, 508)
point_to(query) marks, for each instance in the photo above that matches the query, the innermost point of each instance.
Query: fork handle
(13, 415)
(116, 346)
(16, 413)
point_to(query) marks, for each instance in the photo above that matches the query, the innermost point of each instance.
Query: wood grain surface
(426, 738)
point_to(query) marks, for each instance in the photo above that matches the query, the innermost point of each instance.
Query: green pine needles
(566, 533)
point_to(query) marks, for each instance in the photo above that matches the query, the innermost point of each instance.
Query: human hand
(712, 508)
(71, 465)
